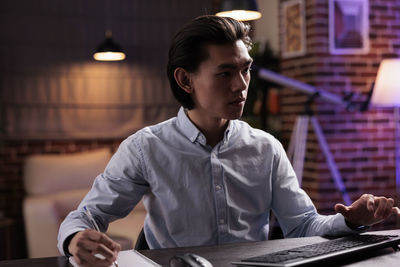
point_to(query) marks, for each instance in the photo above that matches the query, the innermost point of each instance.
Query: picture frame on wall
(348, 27)
(294, 29)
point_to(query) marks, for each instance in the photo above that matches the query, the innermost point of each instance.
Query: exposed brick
(361, 143)
(390, 55)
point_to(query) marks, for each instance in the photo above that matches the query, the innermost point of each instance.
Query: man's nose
(240, 82)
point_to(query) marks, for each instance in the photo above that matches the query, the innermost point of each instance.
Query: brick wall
(362, 143)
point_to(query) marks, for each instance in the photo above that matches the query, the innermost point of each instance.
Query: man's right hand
(87, 245)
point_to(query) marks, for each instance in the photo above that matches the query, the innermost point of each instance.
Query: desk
(222, 256)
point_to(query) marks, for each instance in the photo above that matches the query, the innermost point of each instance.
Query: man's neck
(212, 128)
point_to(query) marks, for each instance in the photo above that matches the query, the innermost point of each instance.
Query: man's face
(221, 82)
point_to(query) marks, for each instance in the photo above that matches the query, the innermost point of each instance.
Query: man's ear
(182, 77)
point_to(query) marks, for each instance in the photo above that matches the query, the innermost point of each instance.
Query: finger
(340, 208)
(381, 203)
(80, 261)
(91, 243)
(371, 204)
(96, 261)
(106, 252)
(389, 206)
(99, 250)
(93, 235)
(93, 258)
(84, 258)
(86, 244)
(88, 241)
(106, 262)
(94, 238)
(103, 239)
(109, 243)
(396, 211)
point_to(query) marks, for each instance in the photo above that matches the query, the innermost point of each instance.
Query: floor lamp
(386, 94)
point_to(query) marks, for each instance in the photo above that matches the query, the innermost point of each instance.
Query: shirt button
(218, 187)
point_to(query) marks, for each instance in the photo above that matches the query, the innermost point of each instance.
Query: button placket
(219, 192)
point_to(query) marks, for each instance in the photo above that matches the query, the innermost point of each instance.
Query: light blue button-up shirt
(201, 195)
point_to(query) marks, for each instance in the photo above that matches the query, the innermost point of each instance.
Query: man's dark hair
(188, 48)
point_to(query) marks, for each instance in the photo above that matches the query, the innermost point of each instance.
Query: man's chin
(234, 116)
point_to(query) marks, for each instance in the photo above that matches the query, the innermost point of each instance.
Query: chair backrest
(55, 184)
(52, 173)
(141, 243)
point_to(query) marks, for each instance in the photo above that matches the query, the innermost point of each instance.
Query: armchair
(55, 185)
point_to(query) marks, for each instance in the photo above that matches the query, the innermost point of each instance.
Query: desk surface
(222, 256)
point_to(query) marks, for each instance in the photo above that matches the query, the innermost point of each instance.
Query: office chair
(141, 243)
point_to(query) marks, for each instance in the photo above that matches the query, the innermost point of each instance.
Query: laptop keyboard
(307, 253)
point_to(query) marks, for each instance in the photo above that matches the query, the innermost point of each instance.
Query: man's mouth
(239, 100)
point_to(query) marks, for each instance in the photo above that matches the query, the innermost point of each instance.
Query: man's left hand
(368, 210)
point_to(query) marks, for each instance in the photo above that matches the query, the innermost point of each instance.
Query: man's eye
(247, 70)
(224, 74)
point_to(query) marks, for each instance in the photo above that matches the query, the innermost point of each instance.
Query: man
(206, 178)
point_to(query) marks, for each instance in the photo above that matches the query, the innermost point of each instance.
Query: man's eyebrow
(233, 66)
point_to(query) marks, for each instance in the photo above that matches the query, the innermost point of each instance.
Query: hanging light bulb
(108, 50)
(242, 10)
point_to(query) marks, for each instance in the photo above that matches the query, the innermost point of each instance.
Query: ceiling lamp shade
(242, 10)
(108, 50)
(386, 91)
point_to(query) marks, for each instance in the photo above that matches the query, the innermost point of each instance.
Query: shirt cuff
(357, 228)
(66, 244)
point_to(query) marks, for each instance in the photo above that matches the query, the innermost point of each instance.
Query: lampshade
(242, 10)
(386, 91)
(108, 50)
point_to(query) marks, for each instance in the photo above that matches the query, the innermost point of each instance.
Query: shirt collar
(186, 126)
(229, 130)
(193, 134)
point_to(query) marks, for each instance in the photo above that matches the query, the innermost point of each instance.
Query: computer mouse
(189, 260)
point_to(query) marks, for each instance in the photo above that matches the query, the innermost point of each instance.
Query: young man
(206, 178)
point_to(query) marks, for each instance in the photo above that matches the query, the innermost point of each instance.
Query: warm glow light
(109, 56)
(241, 15)
(386, 91)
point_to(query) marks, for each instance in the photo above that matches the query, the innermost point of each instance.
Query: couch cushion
(51, 173)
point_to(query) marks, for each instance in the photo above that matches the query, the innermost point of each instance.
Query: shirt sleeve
(113, 195)
(294, 209)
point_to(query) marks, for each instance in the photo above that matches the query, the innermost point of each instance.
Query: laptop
(335, 249)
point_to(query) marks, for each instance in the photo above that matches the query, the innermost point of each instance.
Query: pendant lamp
(242, 10)
(109, 50)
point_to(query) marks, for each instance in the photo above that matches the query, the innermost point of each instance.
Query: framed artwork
(294, 30)
(348, 27)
